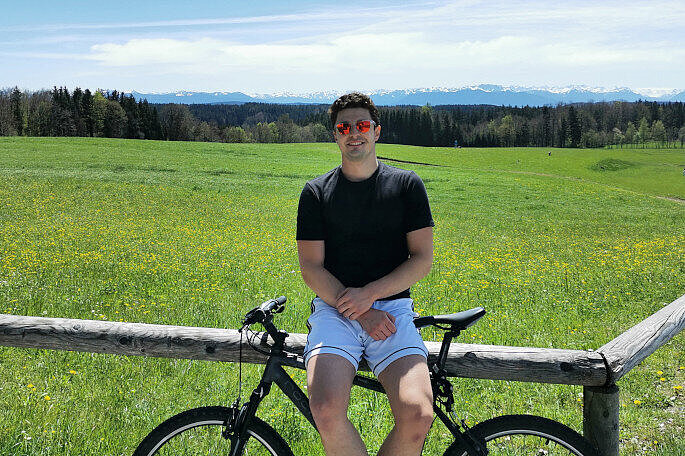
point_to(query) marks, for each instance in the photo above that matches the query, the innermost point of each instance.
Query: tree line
(117, 115)
(114, 114)
(577, 125)
(80, 113)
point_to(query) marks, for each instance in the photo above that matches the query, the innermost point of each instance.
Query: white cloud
(449, 44)
(373, 53)
(207, 53)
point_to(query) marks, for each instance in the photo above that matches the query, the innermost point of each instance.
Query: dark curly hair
(353, 100)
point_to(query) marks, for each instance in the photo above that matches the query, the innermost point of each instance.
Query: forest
(115, 114)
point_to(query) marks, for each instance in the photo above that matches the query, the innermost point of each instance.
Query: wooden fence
(598, 371)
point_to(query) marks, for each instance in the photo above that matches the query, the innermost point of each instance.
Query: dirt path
(532, 173)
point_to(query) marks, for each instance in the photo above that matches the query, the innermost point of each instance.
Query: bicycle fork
(237, 423)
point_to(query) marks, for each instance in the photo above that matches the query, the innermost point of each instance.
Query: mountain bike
(237, 431)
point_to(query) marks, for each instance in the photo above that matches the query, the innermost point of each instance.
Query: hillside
(564, 250)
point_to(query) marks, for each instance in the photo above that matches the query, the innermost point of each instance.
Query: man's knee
(414, 421)
(328, 409)
(330, 380)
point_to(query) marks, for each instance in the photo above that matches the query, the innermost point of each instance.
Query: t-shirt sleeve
(310, 225)
(417, 209)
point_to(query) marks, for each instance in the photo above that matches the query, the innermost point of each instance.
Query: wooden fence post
(600, 418)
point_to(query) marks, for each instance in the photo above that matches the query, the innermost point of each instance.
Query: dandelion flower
(30, 385)
(637, 402)
(72, 372)
(47, 398)
(659, 373)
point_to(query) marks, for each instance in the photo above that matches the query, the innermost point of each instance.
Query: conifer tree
(574, 133)
(17, 111)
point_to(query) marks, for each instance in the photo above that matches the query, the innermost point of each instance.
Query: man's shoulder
(323, 180)
(399, 175)
(392, 170)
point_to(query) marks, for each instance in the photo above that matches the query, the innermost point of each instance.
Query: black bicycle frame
(274, 373)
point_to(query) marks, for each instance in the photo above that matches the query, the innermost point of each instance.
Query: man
(364, 236)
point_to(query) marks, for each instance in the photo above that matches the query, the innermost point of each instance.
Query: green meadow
(565, 250)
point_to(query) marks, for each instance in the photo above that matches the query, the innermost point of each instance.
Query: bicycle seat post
(445, 347)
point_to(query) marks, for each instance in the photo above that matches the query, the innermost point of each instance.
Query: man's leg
(407, 384)
(329, 380)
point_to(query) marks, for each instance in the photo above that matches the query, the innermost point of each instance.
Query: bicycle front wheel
(519, 435)
(198, 432)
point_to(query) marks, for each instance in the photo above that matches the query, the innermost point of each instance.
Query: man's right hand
(377, 323)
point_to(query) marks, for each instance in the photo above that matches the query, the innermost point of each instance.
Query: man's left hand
(353, 302)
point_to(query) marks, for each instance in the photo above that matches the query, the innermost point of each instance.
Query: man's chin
(356, 155)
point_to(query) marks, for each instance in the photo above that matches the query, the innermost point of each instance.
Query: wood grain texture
(633, 346)
(600, 418)
(526, 364)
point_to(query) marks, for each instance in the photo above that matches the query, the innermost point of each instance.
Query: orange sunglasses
(363, 126)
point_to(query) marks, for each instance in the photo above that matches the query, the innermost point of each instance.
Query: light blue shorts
(330, 332)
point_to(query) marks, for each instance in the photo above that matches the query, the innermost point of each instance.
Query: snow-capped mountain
(489, 94)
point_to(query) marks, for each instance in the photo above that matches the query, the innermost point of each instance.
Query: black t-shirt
(363, 224)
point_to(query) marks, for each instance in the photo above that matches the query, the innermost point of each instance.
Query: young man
(364, 236)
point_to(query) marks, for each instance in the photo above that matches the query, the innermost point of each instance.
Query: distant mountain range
(488, 94)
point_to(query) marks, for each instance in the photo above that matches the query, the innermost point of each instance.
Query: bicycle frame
(275, 373)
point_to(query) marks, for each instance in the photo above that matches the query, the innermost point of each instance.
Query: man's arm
(354, 302)
(379, 324)
(311, 256)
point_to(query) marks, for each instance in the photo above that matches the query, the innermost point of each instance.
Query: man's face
(356, 146)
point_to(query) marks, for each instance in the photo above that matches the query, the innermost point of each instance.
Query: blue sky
(271, 46)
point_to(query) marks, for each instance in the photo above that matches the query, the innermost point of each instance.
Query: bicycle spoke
(207, 441)
(526, 445)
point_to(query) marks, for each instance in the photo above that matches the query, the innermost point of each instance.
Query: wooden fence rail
(633, 346)
(597, 371)
(572, 367)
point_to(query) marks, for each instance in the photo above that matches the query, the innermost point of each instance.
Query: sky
(272, 46)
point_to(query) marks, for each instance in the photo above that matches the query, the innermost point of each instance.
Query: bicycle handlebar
(274, 305)
(259, 314)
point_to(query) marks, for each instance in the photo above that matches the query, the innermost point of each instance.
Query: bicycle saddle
(458, 321)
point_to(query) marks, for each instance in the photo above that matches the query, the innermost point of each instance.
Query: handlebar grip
(260, 313)
(274, 305)
(280, 304)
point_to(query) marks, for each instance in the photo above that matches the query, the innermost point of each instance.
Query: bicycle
(236, 430)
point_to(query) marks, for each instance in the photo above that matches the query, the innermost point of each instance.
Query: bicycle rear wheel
(198, 432)
(519, 435)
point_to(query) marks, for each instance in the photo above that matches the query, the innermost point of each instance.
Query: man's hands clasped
(355, 304)
(379, 324)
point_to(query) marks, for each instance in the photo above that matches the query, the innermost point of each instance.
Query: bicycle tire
(198, 431)
(526, 435)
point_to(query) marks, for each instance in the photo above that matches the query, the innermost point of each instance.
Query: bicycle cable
(240, 368)
(254, 347)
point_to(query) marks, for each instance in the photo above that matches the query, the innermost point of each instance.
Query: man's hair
(353, 100)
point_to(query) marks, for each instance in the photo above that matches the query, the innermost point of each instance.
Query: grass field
(564, 251)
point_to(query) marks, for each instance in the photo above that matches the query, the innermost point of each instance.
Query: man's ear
(377, 133)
